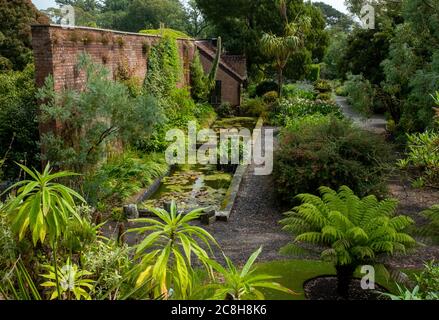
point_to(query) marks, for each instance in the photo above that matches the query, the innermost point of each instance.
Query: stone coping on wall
(103, 30)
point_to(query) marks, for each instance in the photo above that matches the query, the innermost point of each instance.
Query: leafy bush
(427, 285)
(323, 86)
(360, 94)
(121, 177)
(354, 231)
(111, 262)
(254, 107)
(341, 91)
(422, 157)
(287, 110)
(431, 229)
(324, 96)
(266, 86)
(117, 117)
(428, 281)
(225, 110)
(290, 91)
(270, 97)
(8, 247)
(18, 126)
(331, 153)
(313, 72)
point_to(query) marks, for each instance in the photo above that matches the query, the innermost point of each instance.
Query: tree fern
(355, 231)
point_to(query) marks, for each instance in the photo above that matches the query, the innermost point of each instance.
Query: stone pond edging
(228, 203)
(232, 192)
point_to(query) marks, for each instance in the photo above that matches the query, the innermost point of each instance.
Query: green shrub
(341, 91)
(94, 119)
(121, 177)
(225, 110)
(18, 120)
(323, 86)
(313, 72)
(270, 97)
(254, 107)
(324, 96)
(266, 86)
(422, 159)
(360, 94)
(290, 91)
(331, 153)
(287, 110)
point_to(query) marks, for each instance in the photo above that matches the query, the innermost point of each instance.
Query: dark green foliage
(121, 177)
(242, 24)
(254, 107)
(198, 85)
(331, 153)
(334, 18)
(360, 94)
(18, 126)
(313, 73)
(266, 86)
(16, 18)
(164, 68)
(201, 84)
(225, 110)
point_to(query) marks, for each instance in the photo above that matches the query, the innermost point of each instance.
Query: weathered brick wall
(230, 86)
(56, 52)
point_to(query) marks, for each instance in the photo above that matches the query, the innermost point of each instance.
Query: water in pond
(198, 186)
(192, 186)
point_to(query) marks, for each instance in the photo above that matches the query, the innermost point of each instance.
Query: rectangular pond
(197, 186)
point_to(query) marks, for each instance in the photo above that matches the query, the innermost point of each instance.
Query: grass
(294, 273)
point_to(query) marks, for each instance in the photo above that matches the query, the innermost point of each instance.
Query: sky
(338, 4)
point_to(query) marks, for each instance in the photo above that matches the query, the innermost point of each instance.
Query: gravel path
(254, 220)
(376, 123)
(411, 201)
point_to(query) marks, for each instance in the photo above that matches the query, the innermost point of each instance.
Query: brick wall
(230, 85)
(56, 51)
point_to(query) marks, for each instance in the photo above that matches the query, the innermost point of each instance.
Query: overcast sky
(338, 4)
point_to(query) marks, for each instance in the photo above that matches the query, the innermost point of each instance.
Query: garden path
(254, 220)
(412, 201)
(376, 123)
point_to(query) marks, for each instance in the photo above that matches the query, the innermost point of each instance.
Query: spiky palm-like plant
(166, 253)
(354, 231)
(239, 284)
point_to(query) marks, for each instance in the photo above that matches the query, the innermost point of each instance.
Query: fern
(354, 231)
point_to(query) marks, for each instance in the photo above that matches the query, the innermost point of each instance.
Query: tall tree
(280, 48)
(243, 23)
(335, 18)
(16, 18)
(149, 14)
